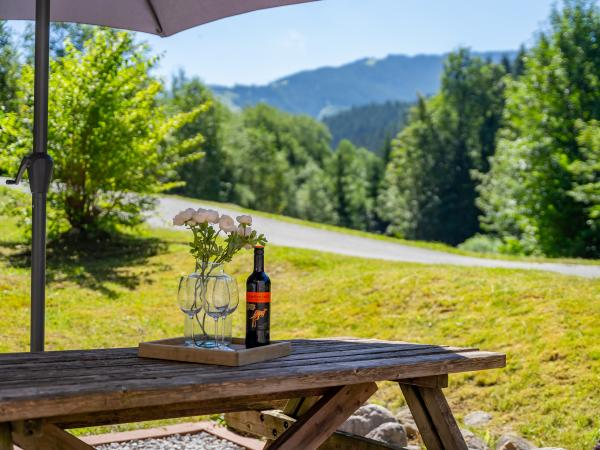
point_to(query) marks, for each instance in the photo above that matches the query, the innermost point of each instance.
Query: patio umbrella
(161, 17)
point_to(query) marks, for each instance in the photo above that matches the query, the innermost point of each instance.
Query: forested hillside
(370, 126)
(503, 157)
(327, 90)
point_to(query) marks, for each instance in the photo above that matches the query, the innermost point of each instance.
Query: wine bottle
(258, 303)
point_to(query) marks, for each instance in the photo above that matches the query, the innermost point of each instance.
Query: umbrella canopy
(161, 17)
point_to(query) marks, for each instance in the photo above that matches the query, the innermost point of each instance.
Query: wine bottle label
(258, 297)
(257, 311)
(257, 317)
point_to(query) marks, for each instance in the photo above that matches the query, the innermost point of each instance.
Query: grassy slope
(546, 323)
(422, 244)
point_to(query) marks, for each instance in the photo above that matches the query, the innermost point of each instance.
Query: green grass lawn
(548, 324)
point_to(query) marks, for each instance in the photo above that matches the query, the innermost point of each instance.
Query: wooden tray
(174, 350)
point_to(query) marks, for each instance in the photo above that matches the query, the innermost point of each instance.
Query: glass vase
(214, 292)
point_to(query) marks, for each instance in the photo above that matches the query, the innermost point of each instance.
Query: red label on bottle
(258, 297)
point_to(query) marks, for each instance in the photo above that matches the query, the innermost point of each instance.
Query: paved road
(299, 236)
(292, 235)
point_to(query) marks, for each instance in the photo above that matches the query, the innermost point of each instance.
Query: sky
(262, 46)
(259, 47)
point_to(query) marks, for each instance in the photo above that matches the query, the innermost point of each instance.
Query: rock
(391, 433)
(412, 432)
(356, 425)
(404, 415)
(375, 414)
(367, 418)
(477, 418)
(512, 442)
(412, 447)
(473, 441)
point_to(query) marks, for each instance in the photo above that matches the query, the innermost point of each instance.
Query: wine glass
(186, 299)
(216, 303)
(234, 301)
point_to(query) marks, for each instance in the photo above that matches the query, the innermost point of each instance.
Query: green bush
(482, 243)
(113, 144)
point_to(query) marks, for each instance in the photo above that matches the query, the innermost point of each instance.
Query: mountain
(368, 126)
(324, 91)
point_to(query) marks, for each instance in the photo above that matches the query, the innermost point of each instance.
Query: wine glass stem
(223, 331)
(217, 332)
(192, 334)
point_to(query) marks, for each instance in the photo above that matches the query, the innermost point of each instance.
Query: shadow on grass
(101, 264)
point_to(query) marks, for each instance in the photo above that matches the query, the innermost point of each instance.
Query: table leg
(324, 417)
(5, 437)
(49, 437)
(433, 417)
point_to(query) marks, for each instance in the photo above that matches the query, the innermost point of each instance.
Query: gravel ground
(199, 441)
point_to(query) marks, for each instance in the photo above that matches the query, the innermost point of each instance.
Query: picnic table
(324, 381)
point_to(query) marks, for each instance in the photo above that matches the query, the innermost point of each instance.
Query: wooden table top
(37, 385)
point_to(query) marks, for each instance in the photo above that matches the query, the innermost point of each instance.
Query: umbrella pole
(40, 174)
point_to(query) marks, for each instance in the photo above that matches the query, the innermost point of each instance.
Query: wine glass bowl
(216, 302)
(186, 295)
(187, 300)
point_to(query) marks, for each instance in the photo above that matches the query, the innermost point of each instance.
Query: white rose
(200, 216)
(212, 216)
(248, 247)
(244, 219)
(178, 220)
(227, 224)
(244, 231)
(187, 214)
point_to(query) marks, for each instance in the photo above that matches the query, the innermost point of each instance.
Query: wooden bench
(42, 394)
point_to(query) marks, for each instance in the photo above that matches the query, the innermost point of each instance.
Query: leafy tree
(586, 174)
(60, 33)
(8, 69)
(409, 198)
(314, 196)
(295, 149)
(111, 142)
(539, 195)
(209, 177)
(260, 172)
(429, 188)
(348, 169)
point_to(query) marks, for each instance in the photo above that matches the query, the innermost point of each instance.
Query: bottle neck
(259, 262)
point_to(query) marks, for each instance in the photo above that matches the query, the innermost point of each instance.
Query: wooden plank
(271, 424)
(322, 420)
(56, 400)
(176, 410)
(442, 418)
(297, 407)
(169, 369)
(300, 346)
(174, 350)
(267, 424)
(292, 406)
(115, 357)
(305, 406)
(141, 367)
(437, 381)
(51, 438)
(6, 442)
(421, 416)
